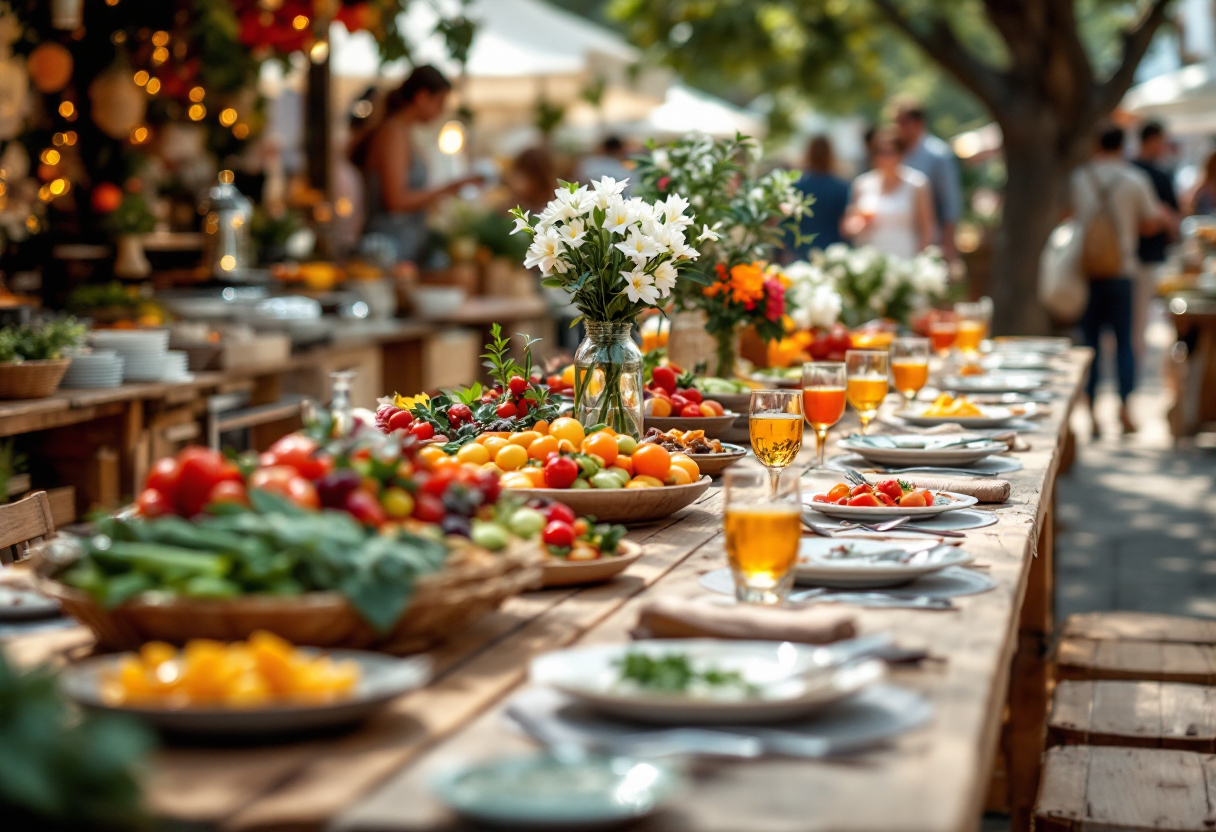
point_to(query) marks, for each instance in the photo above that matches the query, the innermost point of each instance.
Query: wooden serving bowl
(715, 464)
(473, 582)
(712, 425)
(623, 505)
(558, 572)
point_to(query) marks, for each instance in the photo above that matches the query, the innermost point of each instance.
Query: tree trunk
(1035, 189)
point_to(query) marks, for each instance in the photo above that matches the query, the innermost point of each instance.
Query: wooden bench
(1108, 788)
(1140, 714)
(1137, 646)
(27, 519)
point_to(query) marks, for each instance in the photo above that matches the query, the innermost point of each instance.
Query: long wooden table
(986, 654)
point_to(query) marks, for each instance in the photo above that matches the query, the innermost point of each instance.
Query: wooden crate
(1138, 714)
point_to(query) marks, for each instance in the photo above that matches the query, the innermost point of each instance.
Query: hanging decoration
(50, 67)
(67, 14)
(119, 105)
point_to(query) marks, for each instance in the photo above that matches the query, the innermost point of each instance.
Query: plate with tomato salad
(886, 499)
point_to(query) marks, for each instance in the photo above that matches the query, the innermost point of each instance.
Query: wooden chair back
(25, 520)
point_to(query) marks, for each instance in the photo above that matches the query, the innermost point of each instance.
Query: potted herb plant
(32, 360)
(128, 223)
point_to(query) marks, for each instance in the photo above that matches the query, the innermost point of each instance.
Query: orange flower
(785, 352)
(744, 283)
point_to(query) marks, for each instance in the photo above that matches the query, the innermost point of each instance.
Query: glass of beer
(776, 429)
(942, 333)
(910, 366)
(973, 321)
(763, 530)
(867, 382)
(823, 393)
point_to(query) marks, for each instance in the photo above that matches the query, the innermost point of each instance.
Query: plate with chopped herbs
(702, 680)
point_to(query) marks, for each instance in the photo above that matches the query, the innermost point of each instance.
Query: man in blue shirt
(831, 194)
(934, 158)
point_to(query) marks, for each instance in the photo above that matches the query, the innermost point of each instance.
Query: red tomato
(864, 500)
(518, 385)
(561, 472)
(678, 403)
(152, 503)
(561, 511)
(857, 490)
(422, 430)
(715, 407)
(201, 470)
(691, 393)
(365, 508)
(820, 498)
(439, 481)
(428, 508)
(300, 453)
(690, 410)
(891, 488)
(506, 410)
(401, 420)
(163, 476)
(284, 481)
(843, 501)
(664, 377)
(303, 493)
(228, 491)
(884, 498)
(928, 495)
(558, 533)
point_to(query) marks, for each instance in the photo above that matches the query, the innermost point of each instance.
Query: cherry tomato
(506, 410)
(884, 498)
(563, 512)
(891, 488)
(401, 420)
(913, 499)
(691, 410)
(201, 470)
(664, 377)
(163, 476)
(518, 385)
(364, 507)
(843, 501)
(228, 491)
(152, 503)
(691, 393)
(428, 508)
(459, 413)
(678, 403)
(820, 498)
(837, 491)
(864, 500)
(561, 472)
(422, 431)
(858, 490)
(274, 478)
(300, 452)
(558, 533)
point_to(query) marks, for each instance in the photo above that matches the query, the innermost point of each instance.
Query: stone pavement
(1137, 516)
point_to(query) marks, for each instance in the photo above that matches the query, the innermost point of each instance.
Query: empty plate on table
(914, 449)
(1018, 361)
(756, 681)
(945, 501)
(861, 564)
(1031, 343)
(993, 417)
(381, 679)
(994, 383)
(989, 466)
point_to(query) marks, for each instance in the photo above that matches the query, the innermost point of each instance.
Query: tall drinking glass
(973, 320)
(910, 366)
(763, 529)
(776, 429)
(868, 385)
(942, 333)
(824, 384)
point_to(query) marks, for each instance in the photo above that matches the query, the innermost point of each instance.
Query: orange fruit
(603, 445)
(624, 461)
(569, 429)
(660, 408)
(429, 454)
(678, 476)
(644, 482)
(541, 427)
(524, 438)
(651, 461)
(542, 447)
(688, 464)
(537, 475)
(493, 434)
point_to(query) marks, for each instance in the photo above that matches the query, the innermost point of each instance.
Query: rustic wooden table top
(378, 777)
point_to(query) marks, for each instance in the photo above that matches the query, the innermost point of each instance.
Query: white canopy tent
(1185, 99)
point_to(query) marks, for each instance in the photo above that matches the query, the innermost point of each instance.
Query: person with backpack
(1114, 203)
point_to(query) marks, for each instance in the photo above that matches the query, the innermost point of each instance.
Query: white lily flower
(572, 233)
(661, 159)
(673, 211)
(708, 233)
(638, 247)
(545, 251)
(521, 224)
(618, 216)
(665, 278)
(605, 189)
(639, 286)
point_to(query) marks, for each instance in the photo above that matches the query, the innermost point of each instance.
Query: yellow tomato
(493, 434)
(516, 479)
(678, 476)
(492, 467)
(644, 482)
(474, 453)
(567, 446)
(569, 429)
(688, 464)
(568, 375)
(524, 438)
(652, 460)
(602, 445)
(541, 448)
(511, 457)
(428, 454)
(444, 461)
(495, 444)
(537, 476)
(541, 427)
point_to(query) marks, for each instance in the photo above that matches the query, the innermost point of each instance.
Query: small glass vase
(726, 352)
(608, 378)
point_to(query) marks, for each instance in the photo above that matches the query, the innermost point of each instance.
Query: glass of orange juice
(763, 529)
(910, 366)
(775, 426)
(867, 382)
(823, 395)
(973, 320)
(942, 332)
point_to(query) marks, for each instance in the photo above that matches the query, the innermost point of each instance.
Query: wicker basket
(473, 583)
(31, 379)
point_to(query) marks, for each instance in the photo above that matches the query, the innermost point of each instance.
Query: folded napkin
(707, 617)
(984, 490)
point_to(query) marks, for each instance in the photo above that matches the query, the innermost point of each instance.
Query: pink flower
(774, 299)
(663, 182)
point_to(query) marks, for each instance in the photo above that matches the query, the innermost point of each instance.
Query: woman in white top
(892, 205)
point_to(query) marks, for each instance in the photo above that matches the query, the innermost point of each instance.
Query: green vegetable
(675, 673)
(526, 522)
(39, 342)
(720, 386)
(580, 484)
(606, 479)
(490, 535)
(626, 444)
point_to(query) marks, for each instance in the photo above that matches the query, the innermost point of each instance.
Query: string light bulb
(69, 138)
(58, 187)
(139, 135)
(153, 86)
(227, 116)
(160, 38)
(141, 77)
(319, 52)
(67, 109)
(159, 55)
(197, 94)
(240, 131)
(50, 156)
(197, 112)
(299, 23)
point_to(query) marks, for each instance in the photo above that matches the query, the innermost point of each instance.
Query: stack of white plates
(145, 351)
(177, 366)
(100, 368)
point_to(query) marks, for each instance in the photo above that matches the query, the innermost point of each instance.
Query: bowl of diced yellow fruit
(263, 686)
(957, 410)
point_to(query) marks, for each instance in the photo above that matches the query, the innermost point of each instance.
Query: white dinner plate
(844, 563)
(994, 382)
(994, 466)
(994, 417)
(791, 681)
(956, 502)
(381, 679)
(914, 449)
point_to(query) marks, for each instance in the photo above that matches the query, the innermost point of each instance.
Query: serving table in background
(988, 652)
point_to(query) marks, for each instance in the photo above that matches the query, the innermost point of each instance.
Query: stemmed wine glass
(776, 429)
(823, 397)
(868, 385)
(910, 366)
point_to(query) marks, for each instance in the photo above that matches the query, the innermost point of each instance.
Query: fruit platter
(672, 400)
(887, 498)
(711, 455)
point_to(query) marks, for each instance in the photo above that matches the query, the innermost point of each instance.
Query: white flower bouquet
(872, 284)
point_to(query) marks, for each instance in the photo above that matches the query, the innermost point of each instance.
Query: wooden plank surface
(1121, 625)
(1078, 658)
(1139, 714)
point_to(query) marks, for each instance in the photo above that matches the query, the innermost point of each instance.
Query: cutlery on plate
(873, 599)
